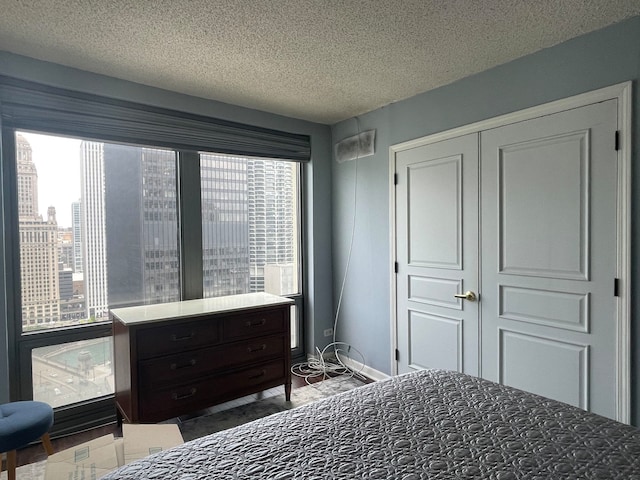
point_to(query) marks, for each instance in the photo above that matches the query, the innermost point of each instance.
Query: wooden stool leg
(46, 441)
(11, 465)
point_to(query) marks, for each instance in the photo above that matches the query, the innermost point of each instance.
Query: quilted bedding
(424, 425)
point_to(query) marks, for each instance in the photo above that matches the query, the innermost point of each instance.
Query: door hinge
(397, 355)
(616, 287)
(617, 140)
(395, 178)
(395, 267)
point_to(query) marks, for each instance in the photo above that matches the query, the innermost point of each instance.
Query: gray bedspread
(425, 425)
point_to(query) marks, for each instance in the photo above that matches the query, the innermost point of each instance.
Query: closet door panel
(437, 254)
(549, 253)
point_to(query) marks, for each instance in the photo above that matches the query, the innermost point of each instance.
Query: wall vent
(357, 146)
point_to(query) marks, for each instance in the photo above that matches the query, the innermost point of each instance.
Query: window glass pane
(72, 372)
(98, 228)
(250, 225)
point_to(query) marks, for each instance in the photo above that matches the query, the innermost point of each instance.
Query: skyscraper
(94, 252)
(225, 225)
(76, 235)
(27, 180)
(141, 225)
(272, 207)
(65, 247)
(38, 246)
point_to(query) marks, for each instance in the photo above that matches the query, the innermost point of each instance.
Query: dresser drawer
(176, 337)
(253, 350)
(253, 324)
(180, 367)
(165, 403)
(175, 369)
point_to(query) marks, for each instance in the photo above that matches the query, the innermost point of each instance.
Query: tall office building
(141, 225)
(66, 283)
(38, 246)
(273, 215)
(225, 225)
(27, 180)
(65, 247)
(94, 252)
(159, 220)
(76, 236)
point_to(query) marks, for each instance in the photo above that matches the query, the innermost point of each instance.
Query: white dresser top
(192, 308)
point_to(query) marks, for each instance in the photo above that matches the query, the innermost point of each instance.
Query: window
(108, 205)
(92, 190)
(251, 228)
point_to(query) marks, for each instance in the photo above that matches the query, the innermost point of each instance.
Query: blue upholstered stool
(20, 424)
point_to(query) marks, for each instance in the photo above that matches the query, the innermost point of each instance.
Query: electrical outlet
(330, 357)
(328, 332)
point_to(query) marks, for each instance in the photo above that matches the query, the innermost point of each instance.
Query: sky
(57, 161)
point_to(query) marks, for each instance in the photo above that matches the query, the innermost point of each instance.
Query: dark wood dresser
(174, 358)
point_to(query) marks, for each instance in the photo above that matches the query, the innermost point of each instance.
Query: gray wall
(316, 186)
(593, 61)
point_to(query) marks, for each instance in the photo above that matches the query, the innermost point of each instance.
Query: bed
(431, 424)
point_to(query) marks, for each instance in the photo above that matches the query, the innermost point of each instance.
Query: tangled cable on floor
(328, 363)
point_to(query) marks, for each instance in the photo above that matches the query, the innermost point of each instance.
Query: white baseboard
(368, 372)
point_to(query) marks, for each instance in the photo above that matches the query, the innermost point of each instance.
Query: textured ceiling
(319, 60)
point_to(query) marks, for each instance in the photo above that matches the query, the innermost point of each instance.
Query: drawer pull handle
(175, 338)
(256, 323)
(191, 363)
(258, 348)
(258, 375)
(191, 393)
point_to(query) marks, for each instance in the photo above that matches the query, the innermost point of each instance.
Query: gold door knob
(468, 295)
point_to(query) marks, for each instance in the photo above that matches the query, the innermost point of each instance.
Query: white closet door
(548, 236)
(437, 254)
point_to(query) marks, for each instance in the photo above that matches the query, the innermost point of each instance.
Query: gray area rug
(203, 425)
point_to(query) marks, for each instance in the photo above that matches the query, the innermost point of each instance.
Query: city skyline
(124, 232)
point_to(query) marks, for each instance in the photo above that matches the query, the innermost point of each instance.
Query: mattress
(431, 424)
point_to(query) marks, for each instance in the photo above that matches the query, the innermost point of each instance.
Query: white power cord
(322, 365)
(326, 367)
